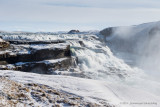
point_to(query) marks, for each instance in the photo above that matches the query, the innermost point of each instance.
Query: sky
(64, 15)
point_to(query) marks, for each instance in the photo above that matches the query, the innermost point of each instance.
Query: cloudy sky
(63, 15)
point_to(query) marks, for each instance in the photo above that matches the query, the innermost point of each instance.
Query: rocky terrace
(43, 57)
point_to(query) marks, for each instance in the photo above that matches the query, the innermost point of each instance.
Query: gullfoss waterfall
(110, 66)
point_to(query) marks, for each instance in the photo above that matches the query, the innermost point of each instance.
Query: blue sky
(63, 15)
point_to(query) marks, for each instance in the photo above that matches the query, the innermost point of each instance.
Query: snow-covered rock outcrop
(36, 56)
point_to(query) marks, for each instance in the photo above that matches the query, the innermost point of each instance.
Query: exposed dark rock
(81, 43)
(3, 44)
(45, 67)
(42, 57)
(3, 63)
(17, 42)
(35, 55)
(73, 31)
(107, 31)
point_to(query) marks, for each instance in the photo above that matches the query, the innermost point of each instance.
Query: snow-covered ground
(134, 92)
(111, 78)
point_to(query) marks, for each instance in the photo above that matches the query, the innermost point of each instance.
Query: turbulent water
(127, 58)
(95, 58)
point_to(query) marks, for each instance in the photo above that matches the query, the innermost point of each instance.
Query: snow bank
(93, 90)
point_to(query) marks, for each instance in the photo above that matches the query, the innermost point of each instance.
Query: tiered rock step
(39, 58)
(42, 67)
(18, 42)
(29, 53)
(46, 66)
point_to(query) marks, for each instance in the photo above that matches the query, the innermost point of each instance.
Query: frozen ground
(136, 92)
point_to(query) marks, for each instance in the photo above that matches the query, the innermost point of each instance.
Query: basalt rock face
(46, 66)
(107, 32)
(42, 57)
(35, 55)
(35, 42)
(73, 31)
(3, 44)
